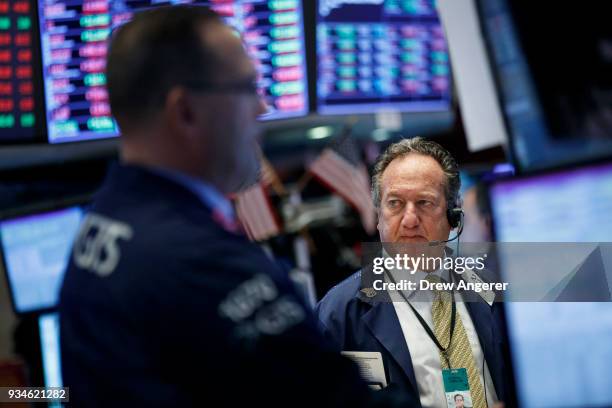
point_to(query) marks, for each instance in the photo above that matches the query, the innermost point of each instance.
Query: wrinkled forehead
(231, 59)
(414, 169)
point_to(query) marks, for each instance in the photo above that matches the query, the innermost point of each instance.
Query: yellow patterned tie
(460, 351)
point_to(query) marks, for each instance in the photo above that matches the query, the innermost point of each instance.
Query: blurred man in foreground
(165, 302)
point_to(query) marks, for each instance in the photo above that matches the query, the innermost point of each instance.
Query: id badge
(456, 388)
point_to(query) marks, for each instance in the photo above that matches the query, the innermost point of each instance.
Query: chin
(245, 183)
(246, 175)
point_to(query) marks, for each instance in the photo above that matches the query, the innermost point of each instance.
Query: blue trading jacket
(162, 306)
(352, 321)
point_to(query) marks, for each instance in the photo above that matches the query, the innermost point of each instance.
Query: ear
(180, 112)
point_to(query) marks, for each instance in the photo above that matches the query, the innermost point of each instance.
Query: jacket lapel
(483, 322)
(382, 321)
(482, 318)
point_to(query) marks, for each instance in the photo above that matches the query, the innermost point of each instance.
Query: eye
(425, 203)
(394, 203)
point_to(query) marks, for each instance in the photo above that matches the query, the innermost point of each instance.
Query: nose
(410, 218)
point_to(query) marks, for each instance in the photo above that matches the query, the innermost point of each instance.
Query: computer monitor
(21, 107)
(35, 249)
(48, 327)
(74, 35)
(552, 65)
(380, 55)
(572, 205)
(560, 350)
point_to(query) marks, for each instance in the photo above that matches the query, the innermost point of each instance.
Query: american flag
(254, 208)
(340, 168)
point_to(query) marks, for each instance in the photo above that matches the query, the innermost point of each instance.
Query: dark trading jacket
(161, 306)
(352, 321)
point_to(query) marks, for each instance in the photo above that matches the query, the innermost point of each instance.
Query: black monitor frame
(598, 153)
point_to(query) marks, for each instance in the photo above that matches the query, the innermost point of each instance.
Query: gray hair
(424, 147)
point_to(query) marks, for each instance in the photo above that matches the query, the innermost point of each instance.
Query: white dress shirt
(424, 353)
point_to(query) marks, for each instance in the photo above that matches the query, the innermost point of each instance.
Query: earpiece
(455, 217)
(454, 212)
(455, 220)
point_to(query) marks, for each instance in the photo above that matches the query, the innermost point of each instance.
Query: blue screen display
(36, 250)
(74, 38)
(561, 350)
(381, 55)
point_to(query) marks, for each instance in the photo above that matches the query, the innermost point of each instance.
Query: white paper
(371, 367)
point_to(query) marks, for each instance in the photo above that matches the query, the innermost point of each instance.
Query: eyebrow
(398, 193)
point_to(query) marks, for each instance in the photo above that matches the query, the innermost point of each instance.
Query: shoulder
(166, 252)
(339, 297)
(167, 221)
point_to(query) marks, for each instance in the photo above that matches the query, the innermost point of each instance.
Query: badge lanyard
(430, 333)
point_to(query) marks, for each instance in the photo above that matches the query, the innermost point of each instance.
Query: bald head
(184, 92)
(157, 50)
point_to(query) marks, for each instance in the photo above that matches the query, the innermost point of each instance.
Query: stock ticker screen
(21, 110)
(73, 42)
(381, 54)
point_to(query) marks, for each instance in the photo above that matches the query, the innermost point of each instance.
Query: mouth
(412, 238)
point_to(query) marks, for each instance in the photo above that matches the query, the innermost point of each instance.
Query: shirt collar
(206, 192)
(443, 274)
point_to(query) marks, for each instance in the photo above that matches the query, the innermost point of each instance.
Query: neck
(151, 153)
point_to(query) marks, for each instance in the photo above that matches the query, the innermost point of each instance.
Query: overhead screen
(21, 108)
(380, 55)
(74, 49)
(35, 250)
(572, 338)
(52, 82)
(553, 79)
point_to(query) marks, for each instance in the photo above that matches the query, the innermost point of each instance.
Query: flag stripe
(348, 180)
(249, 209)
(340, 178)
(256, 213)
(333, 161)
(337, 182)
(356, 197)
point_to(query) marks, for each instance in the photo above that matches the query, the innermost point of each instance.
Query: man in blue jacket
(165, 302)
(416, 193)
